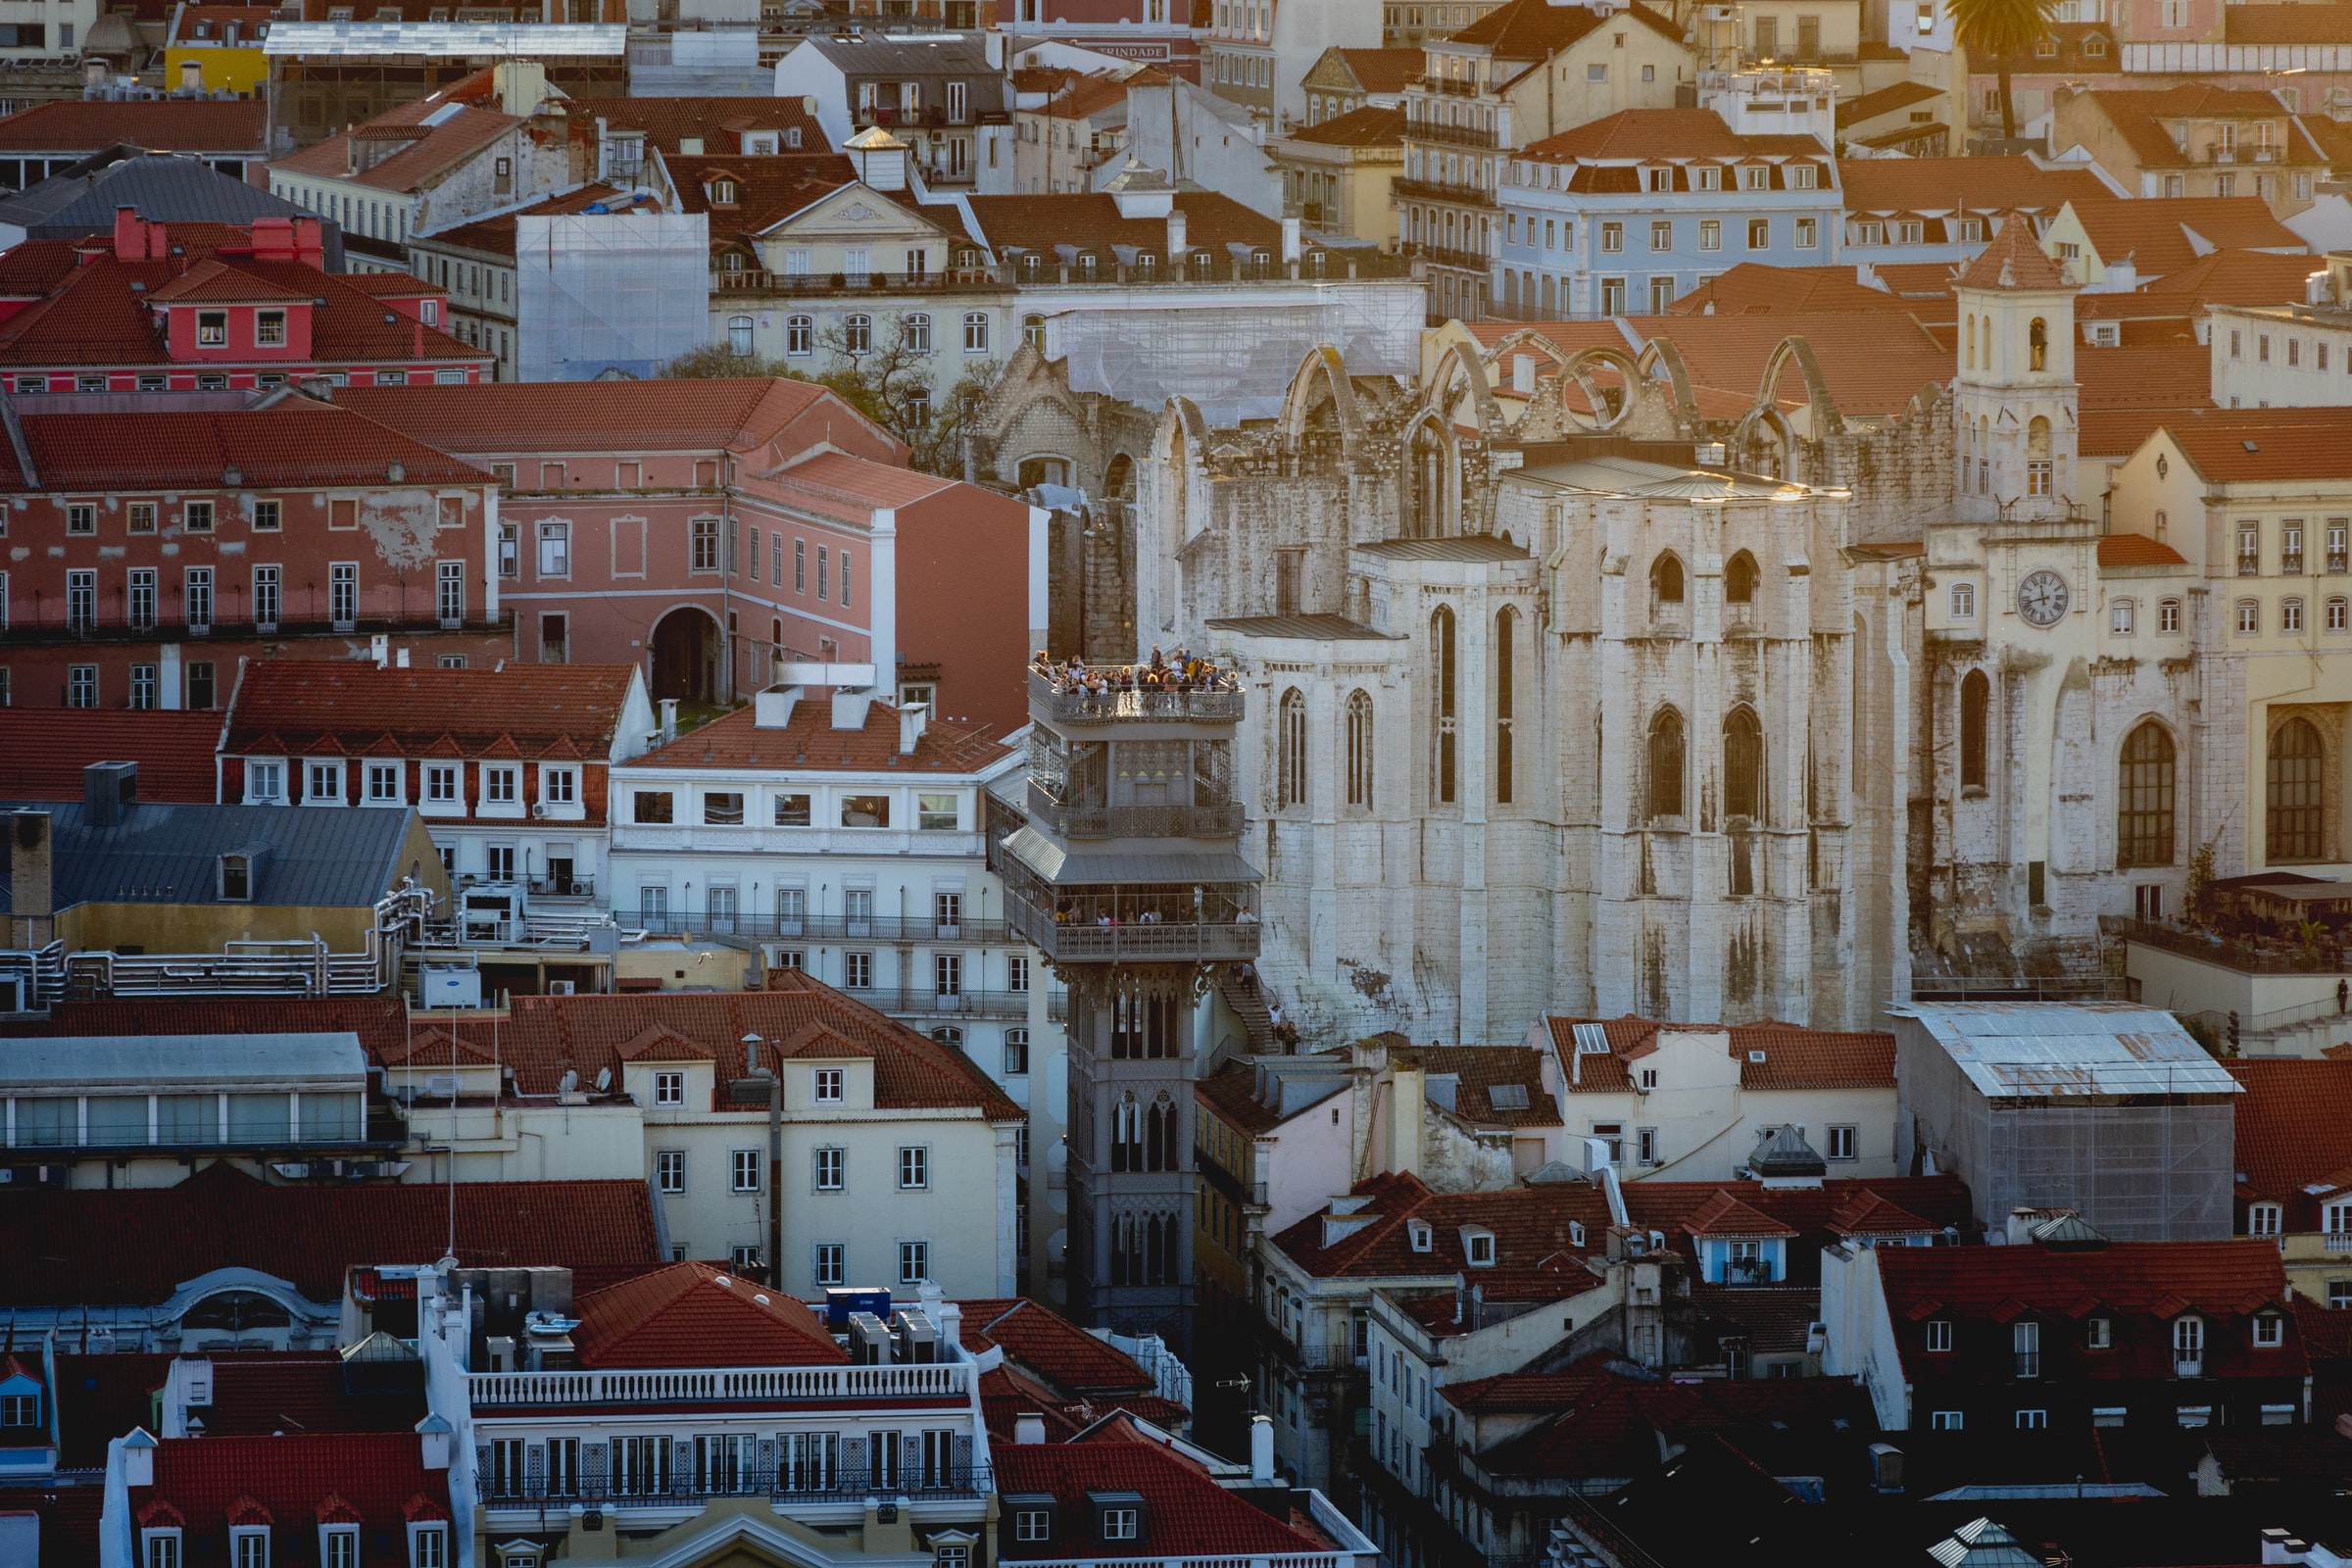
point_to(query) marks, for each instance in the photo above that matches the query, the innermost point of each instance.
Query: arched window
(1290, 738)
(1971, 336)
(1441, 644)
(1666, 765)
(2037, 345)
(1359, 748)
(2297, 766)
(1425, 483)
(1507, 623)
(1975, 698)
(1665, 581)
(739, 336)
(1159, 1136)
(1742, 764)
(1126, 1135)
(2144, 812)
(1740, 579)
(1033, 330)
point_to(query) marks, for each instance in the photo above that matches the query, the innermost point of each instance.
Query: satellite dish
(604, 1079)
(570, 1081)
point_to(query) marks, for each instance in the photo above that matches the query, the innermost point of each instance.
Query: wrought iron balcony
(1067, 704)
(1222, 820)
(1134, 942)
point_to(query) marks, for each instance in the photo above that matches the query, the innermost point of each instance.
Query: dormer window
(1478, 1247)
(1939, 1336)
(339, 1545)
(2048, 48)
(1032, 1516)
(2262, 1219)
(249, 1546)
(212, 329)
(721, 192)
(269, 328)
(2270, 1332)
(827, 1087)
(1118, 1515)
(162, 1549)
(1420, 1236)
(428, 1546)
(2099, 1334)
(19, 1410)
(670, 1089)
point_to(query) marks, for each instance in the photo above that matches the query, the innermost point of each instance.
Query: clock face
(2041, 598)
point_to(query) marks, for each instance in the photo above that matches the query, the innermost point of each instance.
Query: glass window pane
(117, 1119)
(262, 1117)
(334, 1117)
(187, 1119)
(47, 1123)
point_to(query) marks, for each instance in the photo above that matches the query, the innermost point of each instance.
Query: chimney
(1176, 245)
(433, 1434)
(138, 1459)
(911, 719)
(191, 77)
(1290, 239)
(379, 648)
(669, 719)
(28, 868)
(1407, 1089)
(93, 76)
(1261, 1450)
(130, 235)
(992, 42)
(1029, 1427)
(108, 790)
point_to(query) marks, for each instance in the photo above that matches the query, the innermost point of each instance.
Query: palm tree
(1997, 31)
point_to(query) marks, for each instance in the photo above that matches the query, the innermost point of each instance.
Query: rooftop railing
(1137, 942)
(945, 1380)
(938, 1482)
(1073, 705)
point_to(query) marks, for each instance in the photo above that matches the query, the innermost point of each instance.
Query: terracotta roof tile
(1676, 133)
(809, 743)
(43, 750)
(2015, 260)
(1793, 1057)
(1975, 185)
(1233, 1096)
(1185, 1513)
(2294, 1130)
(1725, 1215)
(135, 1245)
(300, 1392)
(2137, 550)
(1050, 1346)
(1368, 126)
(158, 125)
(1090, 220)
(768, 190)
(401, 712)
(693, 1314)
(2167, 236)
(1481, 1069)
(2144, 375)
(213, 1482)
(730, 413)
(293, 443)
(2139, 116)
(718, 121)
(1753, 288)
(495, 236)
(2234, 445)
(1384, 70)
(1536, 29)
(1875, 363)
(442, 146)
(1886, 101)
(1872, 1215)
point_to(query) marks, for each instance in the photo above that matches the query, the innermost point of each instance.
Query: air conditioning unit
(917, 1338)
(561, 988)
(869, 1341)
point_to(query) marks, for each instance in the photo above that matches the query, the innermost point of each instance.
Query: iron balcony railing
(1137, 942)
(915, 1486)
(1429, 131)
(1463, 192)
(40, 621)
(1222, 820)
(814, 928)
(1076, 705)
(948, 1379)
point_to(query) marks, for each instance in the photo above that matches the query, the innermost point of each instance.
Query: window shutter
(592, 1468)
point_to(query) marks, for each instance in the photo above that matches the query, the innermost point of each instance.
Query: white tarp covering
(598, 291)
(518, 41)
(1233, 358)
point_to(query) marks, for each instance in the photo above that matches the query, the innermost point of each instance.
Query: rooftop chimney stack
(669, 719)
(191, 77)
(1261, 1450)
(108, 791)
(1029, 1427)
(32, 911)
(911, 719)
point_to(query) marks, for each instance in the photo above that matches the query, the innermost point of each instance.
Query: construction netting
(610, 291)
(1233, 358)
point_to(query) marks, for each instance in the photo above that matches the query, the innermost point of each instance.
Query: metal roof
(1477, 547)
(160, 1061)
(1304, 628)
(1065, 868)
(165, 188)
(2019, 1049)
(335, 859)
(1635, 476)
(567, 40)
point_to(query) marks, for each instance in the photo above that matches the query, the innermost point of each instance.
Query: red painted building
(147, 553)
(211, 307)
(704, 529)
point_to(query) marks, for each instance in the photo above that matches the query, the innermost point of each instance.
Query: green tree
(1998, 32)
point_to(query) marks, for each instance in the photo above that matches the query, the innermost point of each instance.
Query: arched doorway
(686, 656)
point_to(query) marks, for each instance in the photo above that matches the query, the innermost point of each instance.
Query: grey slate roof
(1475, 548)
(1304, 628)
(1065, 868)
(155, 1061)
(328, 858)
(163, 187)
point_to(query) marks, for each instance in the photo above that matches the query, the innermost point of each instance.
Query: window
(264, 782)
(2290, 614)
(81, 600)
(2188, 1344)
(1939, 1335)
(743, 1169)
(342, 1547)
(1016, 1053)
(936, 814)
(1842, 1142)
(554, 548)
(212, 328)
(825, 1086)
(1032, 1524)
(343, 594)
(2262, 1219)
(2025, 1344)
(857, 334)
(141, 516)
(82, 517)
(2270, 1332)
(800, 336)
(915, 1167)
(703, 547)
(1662, 233)
(1290, 732)
(653, 805)
(197, 516)
(1759, 230)
(2144, 798)
(1710, 234)
(143, 688)
(2167, 617)
(722, 807)
(829, 1262)
(501, 786)
(914, 332)
(1121, 1523)
(1976, 696)
(2293, 788)
(384, 783)
(865, 810)
(669, 1088)
(2195, 1415)
(1963, 601)
(1612, 238)
(450, 596)
(670, 1170)
(1666, 765)
(1359, 748)
(738, 327)
(441, 783)
(792, 811)
(2120, 616)
(915, 1262)
(1944, 1421)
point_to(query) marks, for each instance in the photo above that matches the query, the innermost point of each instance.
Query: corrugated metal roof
(160, 1061)
(1635, 476)
(1066, 870)
(2015, 1048)
(327, 858)
(1468, 547)
(568, 40)
(1304, 628)
(165, 188)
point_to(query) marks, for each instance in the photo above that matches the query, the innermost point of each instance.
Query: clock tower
(2014, 401)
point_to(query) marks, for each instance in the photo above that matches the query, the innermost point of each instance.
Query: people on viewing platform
(1179, 672)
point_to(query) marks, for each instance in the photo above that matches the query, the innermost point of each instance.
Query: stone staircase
(1251, 1008)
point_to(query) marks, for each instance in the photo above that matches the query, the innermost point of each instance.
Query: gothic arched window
(1359, 748)
(1666, 580)
(1666, 765)
(1976, 698)
(1441, 644)
(2143, 809)
(1290, 737)
(1506, 625)
(2296, 783)
(1424, 487)
(1742, 764)
(1740, 579)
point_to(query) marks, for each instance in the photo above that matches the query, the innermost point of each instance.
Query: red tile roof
(495, 236)
(768, 190)
(1753, 288)
(1233, 1096)
(2251, 444)
(2144, 375)
(293, 443)
(692, 1314)
(858, 484)
(2137, 550)
(2294, 1131)
(208, 1481)
(2288, 23)
(158, 125)
(720, 122)
(1886, 101)
(1478, 1069)
(1090, 220)
(439, 148)
(1368, 126)
(1793, 1057)
(1725, 1215)
(1185, 1513)
(1875, 363)
(1050, 1347)
(809, 743)
(733, 413)
(2165, 236)
(545, 709)
(2139, 118)
(1536, 29)
(1676, 133)
(1871, 1214)
(1384, 70)
(2015, 260)
(1974, 185)
(257, 1393)
(43, 750)
(135, 1245)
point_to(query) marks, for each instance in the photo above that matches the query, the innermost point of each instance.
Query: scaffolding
(610, 291)
(1234, 357)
